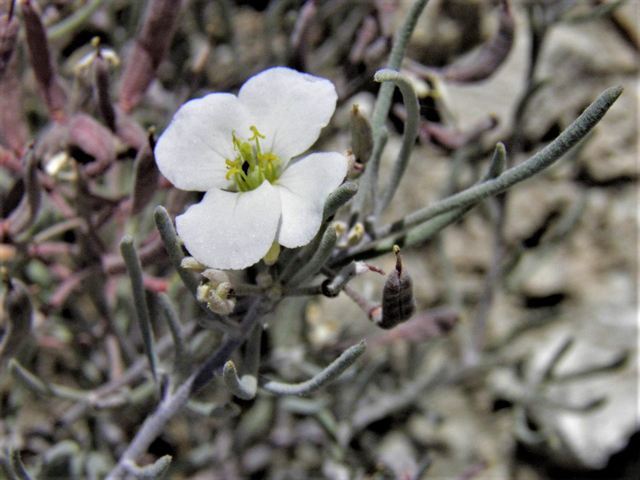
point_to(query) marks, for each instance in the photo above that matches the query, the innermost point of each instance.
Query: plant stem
(411, 124)
(543, 159)
(329, 374)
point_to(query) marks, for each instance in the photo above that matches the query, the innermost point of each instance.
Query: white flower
(238, 150)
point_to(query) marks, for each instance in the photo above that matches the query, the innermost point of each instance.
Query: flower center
(251, 166)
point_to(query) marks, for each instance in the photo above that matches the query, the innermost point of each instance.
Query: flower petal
(229, 230)
(304, 187)
(290, 109)
(191, 152)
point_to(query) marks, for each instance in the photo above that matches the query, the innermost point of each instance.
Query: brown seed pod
(366, 34)
(101, 89)
(150, 49)
(485, 61)
(398, 304)
(40, 57)
(13, 129)
(8, 37)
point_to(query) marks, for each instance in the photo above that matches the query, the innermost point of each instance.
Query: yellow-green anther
(251, 167)
(255, 137)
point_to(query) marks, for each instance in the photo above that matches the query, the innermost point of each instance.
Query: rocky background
(547, 274)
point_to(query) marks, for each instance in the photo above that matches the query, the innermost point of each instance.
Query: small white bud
(216, 291)
(224, 289)
(56, 163)
(191, 264)
(340, 228)
(355, 235)
(216, 277)
(222, 306)
(202, 293)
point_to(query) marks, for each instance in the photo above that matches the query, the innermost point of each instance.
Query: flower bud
(216, 277)
(191, 264)
(340, 228)
(355, 235)
(216, 298)
(216, 291)
(55, 165)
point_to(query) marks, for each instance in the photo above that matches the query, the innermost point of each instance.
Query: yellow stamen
(256, 134)
(251, 167)
(255, 137)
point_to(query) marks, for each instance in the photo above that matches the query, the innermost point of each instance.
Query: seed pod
(398, 304)
(386, 13)
(13, 129)
(299, 40)
(361, 135)
(452, 140)
(40, 57)
(489, 56)
(8, 37)
(101, 89)
(151, 47)
(366, 34)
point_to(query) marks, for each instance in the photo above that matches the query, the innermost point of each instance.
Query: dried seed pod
(150, 49)
(13, 128)
(489, 56)
(101, 94)
(386, 12)
(366, 34)
(41, 62)
(299, 40)
(452, 140)
(398, 304)
(8, 36)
